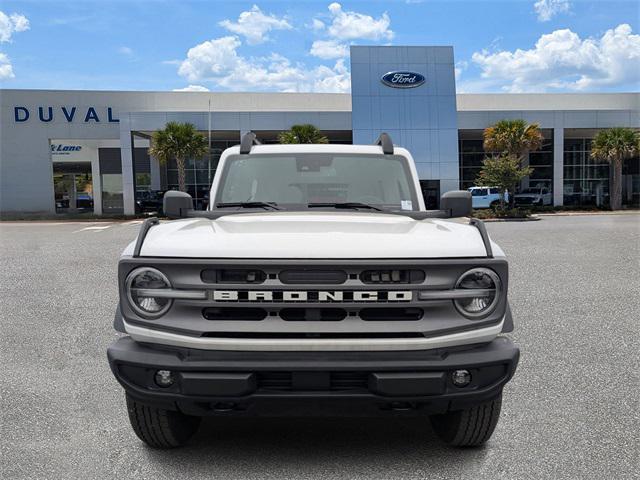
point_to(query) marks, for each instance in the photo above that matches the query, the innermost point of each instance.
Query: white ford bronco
(316, 283)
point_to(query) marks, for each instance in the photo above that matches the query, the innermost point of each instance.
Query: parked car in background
(486, 197)
(538, 196)
(84, 200)
(150, 201)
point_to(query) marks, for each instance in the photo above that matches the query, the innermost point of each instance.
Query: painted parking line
(134, 222)
(94, 228)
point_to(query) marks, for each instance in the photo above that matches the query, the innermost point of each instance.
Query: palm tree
(305, 133)
(511, 141)
(513, 137)
(180, 141)
(615, 145)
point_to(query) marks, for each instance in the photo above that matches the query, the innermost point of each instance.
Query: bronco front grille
(269, 299)
(313, 294)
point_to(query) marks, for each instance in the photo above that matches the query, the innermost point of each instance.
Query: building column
(96, 182)
(126, 157)
(558, 166)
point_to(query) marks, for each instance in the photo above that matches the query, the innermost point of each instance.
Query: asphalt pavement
(572, 410)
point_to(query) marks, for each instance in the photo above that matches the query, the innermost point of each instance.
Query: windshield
(531, 190)
(292, 180)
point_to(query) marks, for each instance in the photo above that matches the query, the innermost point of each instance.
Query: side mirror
(176, 204)
(457, 203)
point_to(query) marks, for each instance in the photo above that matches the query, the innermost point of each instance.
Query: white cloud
(210, 59)
(125, 51)
(547, 9)
(192, 88)
(10, 24)
(6, 70)
(327, 49)
(331, 80)
(460, 67)
(317, 25)
(254, 25)
(346, 25)
(218, 61)
(561, 60)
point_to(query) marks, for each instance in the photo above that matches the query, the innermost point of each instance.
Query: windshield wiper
(265, 205)
(347, 205)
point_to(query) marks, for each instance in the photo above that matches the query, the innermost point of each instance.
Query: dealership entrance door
(73, 187)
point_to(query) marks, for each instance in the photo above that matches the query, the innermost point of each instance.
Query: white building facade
(86, 151)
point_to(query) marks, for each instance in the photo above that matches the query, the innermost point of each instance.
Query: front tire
(469, 427)
(161, 428)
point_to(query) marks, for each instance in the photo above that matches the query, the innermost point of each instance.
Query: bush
(501, 213)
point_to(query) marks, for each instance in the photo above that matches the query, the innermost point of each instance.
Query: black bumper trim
(242, 381)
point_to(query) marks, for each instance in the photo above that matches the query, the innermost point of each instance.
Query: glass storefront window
(112, 200)
(143, 182)
(199, 173)
(586, 181)
(73, 187)
(472, 155)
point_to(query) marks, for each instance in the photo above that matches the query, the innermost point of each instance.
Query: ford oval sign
(403, 79)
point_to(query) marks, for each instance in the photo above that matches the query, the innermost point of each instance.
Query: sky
(161, 45)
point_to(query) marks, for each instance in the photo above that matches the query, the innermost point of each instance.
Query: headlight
(140, 285)
(486, 288)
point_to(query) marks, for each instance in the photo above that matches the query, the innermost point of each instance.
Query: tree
(504, 172)
(305, 133)
(180, 141)
(615, 145)
(513, 139)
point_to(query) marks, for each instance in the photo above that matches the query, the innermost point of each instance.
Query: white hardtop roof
(317, 148)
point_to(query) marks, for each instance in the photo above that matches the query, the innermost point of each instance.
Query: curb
(533, 218)
(577, 214)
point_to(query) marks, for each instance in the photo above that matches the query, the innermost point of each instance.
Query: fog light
(164, 378)
(461, 378)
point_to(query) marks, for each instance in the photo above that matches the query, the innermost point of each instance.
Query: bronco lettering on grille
(331, 296)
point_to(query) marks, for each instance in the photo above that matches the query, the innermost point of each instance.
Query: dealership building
(86, 151)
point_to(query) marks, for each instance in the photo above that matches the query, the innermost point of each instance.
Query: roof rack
(144, 229)
(249, 139)
(384, 140)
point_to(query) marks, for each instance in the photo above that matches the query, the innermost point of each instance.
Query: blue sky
(508, 46)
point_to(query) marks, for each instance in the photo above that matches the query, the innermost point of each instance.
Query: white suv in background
(486, 197)
(538, 196)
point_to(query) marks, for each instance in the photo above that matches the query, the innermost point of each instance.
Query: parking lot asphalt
(572, 410)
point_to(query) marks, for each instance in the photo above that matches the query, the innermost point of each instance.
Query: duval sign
(403, 79)
(69, 114)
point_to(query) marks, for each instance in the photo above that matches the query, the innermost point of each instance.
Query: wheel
(495, 204)
(470, 427)
(160, 428)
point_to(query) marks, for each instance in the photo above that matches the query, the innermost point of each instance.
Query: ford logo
(403, 79)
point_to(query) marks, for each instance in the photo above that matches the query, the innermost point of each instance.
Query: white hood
(312, 235)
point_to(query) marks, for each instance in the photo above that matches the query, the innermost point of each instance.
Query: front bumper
(301, 383)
